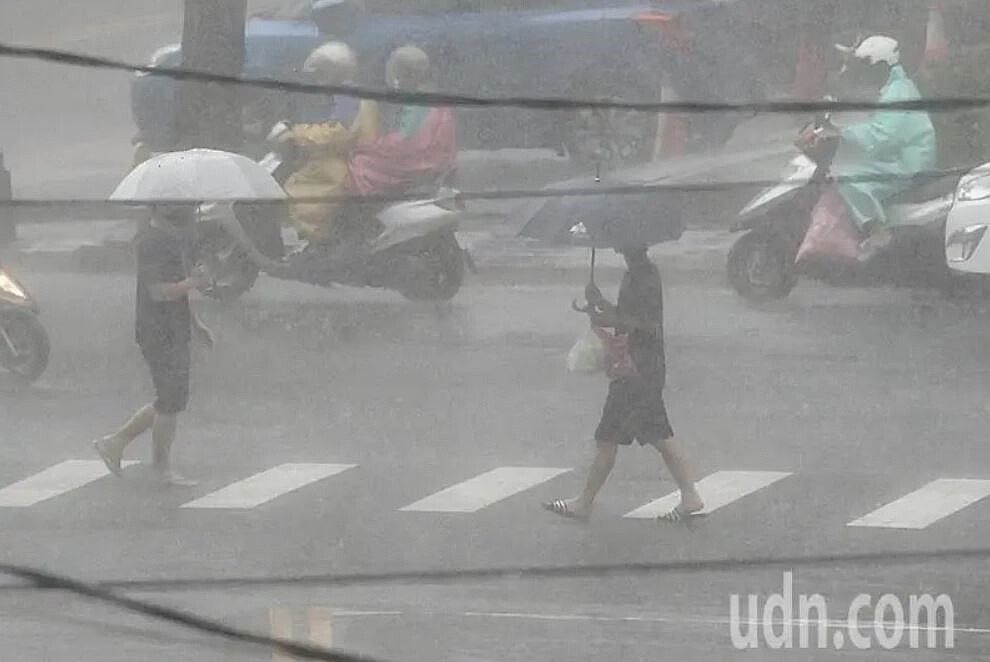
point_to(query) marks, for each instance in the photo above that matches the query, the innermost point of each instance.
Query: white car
(967, 248)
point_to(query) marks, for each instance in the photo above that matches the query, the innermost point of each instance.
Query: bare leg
(162, 438)
(111, 448)
(139, 423)
(677, 463)
(601, 467)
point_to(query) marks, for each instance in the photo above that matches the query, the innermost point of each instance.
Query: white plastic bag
(588, 354)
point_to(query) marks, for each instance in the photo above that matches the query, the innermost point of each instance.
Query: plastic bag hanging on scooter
(831, 236)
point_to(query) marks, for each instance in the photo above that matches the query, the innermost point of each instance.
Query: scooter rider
(422, 144)
(888, 150)
(325, 135)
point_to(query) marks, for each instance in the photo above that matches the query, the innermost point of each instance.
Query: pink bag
(618, 361)
(831, 234)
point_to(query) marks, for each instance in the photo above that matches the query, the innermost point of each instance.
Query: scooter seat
(927, 189)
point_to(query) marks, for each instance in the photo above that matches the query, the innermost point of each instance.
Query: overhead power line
(505, 194)
(38, 580)
(52, 581)
(444, 99)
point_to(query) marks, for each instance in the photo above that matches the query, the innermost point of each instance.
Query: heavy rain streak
(503, 330)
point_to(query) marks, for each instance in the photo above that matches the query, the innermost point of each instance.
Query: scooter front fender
(799, 174)
(765, 205)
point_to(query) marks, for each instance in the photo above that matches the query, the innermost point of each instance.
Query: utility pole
(210, 114)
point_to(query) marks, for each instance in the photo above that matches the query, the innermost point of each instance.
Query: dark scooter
(24, 344)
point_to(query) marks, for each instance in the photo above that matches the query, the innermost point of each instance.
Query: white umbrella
(198, 175)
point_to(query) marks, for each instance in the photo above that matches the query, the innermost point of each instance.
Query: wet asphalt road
(856, 398)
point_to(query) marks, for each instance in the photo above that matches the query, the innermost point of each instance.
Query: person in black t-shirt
(164, 327)
(634, 408)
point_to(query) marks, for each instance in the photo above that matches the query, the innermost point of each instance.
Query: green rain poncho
(900, 143)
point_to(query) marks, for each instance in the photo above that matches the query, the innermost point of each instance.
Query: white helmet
(875, 49)
(334, 63)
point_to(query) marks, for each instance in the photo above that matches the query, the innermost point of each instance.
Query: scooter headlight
(975, 187)
(10, 286)
(963, 242)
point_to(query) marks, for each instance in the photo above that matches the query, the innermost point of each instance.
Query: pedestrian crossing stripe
(268, 485)
(917, 510)
(484, 490)
(717, 490)
(927, 505)
(53, 481)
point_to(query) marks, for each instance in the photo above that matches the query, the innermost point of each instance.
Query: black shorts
(169, 367)
(633, 411)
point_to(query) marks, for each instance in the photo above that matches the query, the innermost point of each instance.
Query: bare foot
(172, 479)
(691, 504)
(107, 449)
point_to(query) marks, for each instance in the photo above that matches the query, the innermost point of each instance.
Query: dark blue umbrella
(603, 221)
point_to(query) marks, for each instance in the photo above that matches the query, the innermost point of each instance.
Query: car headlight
(975, 187)
(7, 284)
(961, 245)
(159, 57)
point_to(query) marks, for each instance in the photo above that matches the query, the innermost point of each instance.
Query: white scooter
(412, 247)
(761, 264)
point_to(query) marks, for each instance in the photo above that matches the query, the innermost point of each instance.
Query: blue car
(551, 48)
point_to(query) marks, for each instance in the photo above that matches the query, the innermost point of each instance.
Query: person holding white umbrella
(163, 330)
(175, 185)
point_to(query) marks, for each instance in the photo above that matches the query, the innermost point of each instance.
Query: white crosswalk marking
(267, 486)
(923, 507)
(719, 489)
(484, 490)
(53, 481)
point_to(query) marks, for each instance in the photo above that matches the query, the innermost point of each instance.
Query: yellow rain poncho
(326, 148)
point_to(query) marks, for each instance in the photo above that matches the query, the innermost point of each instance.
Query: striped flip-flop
(560, 507)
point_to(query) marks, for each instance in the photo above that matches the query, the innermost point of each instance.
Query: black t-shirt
(641, 297)
(160, 259)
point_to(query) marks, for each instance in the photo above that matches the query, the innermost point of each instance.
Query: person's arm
(368, 125)
(165, 291)
(610, 319)
(160, 265)
(884, 128)
(606, 315)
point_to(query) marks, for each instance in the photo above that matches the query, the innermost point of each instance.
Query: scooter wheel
(24, 346)
(442, 273)
(760, 267)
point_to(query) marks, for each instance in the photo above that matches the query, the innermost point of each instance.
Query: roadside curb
(493, 266)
